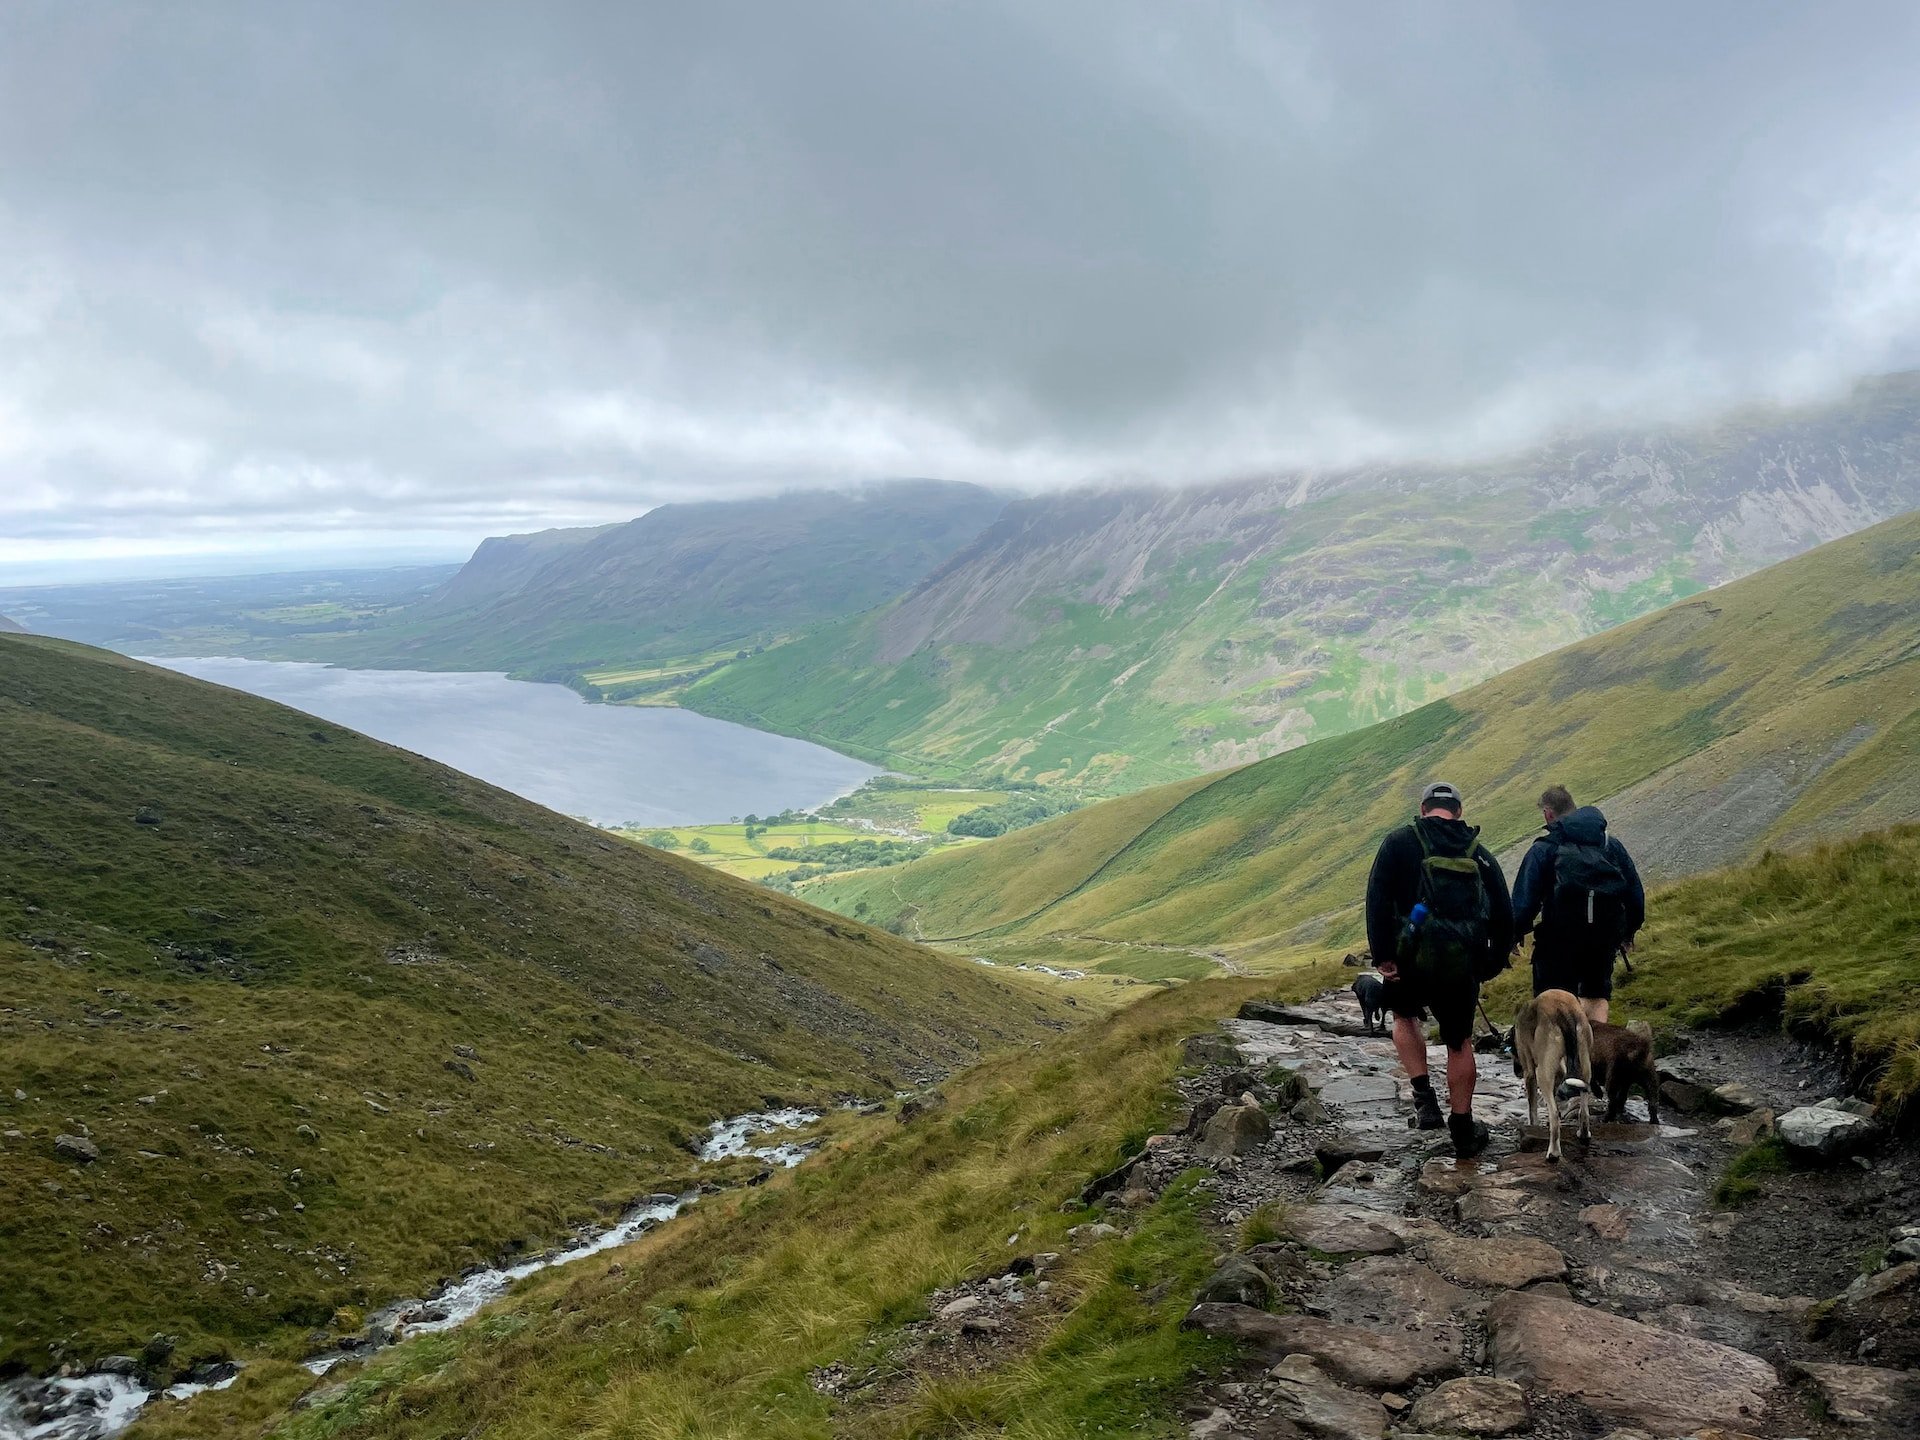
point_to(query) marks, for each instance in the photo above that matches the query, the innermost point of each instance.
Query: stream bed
(104, 1402)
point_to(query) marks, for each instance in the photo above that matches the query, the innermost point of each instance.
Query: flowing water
(92, 1407)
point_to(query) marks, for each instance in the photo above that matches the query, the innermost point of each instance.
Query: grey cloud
(281, 270)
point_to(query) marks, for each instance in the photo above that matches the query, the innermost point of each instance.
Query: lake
(609, 763)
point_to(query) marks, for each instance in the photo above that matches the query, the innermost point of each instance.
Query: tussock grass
(827, 1263)
(1743, 1181)
(1828, 939)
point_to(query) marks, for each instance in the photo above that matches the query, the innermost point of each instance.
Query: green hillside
(1113, 639)
(1773, 711)
(716, 1325)
(341, 1021)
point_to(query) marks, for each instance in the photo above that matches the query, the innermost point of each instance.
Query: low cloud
(449, 270)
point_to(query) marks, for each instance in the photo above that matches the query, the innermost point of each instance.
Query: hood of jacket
(1585, 826)
(1448, 836)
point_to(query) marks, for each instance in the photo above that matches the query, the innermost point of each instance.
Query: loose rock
(1237, 1282)
(77, 1148)
(1864, 1394)
(1235, 1130)
(1472, 1405)
(1304, 1395)
(1816, 1132)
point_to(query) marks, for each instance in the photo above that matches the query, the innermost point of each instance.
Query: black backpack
(1589, 902)
(1452, 942)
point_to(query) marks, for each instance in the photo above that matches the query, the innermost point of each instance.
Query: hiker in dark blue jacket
(1579, 894)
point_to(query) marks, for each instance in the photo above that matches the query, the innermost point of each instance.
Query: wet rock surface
(1606, 1295)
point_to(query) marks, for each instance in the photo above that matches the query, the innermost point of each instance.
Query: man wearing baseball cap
(1439, 921)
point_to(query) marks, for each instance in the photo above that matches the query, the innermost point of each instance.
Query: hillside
(680, 581)
(504, 564)
(341, 1021)
(808, 1307)
(1775, 711)
(11, 627)
(1112, 639)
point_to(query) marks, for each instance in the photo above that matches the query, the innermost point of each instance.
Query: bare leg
(1410, 1044)
(1597, 1010)
(1462, 1074)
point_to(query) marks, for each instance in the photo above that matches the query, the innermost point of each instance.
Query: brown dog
(1553, 1049)
(1623, 1059)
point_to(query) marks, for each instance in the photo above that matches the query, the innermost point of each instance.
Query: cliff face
(1120, 636)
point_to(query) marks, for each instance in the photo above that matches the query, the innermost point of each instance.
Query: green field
(728, 848)
(342, 1021)
(1783, 707)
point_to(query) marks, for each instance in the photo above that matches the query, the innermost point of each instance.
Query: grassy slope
(1830, 936)
(1247, 622)
(313, 924)
(709, 1328)
(1795, 664)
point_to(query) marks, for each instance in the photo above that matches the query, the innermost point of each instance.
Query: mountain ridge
(1780, 709)
(1110, 637)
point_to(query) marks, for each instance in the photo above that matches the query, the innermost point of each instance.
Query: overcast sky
(378, 280)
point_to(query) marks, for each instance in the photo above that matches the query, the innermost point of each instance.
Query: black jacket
(1533, 886)
(1394, 886)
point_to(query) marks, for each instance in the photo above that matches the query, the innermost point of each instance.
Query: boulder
(1863, 1394)
(1339, 1231)
(77, 1148)
(1734, 1098)
(1849, 1105)
(1471, 1405)
(1371, 1358)
(1338, 1150)
(1303, 1394)
(460, 1068)
(1309, 1111)
(1114, 1180)
(1237, 1282)
(963, 1307)
(1815, 1132)
(1892, 1281)
(1212, 1048)
(1502, 1263)
(1622, 1369)
(1234, 1130)
(1751, 1129)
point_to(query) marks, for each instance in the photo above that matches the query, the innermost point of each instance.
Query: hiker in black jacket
(1439, 921)
(1579, 894)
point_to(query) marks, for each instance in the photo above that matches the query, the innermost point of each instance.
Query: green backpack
(1451, 944)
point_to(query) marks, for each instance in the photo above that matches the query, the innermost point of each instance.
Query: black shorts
(1557, 967)
(1451, 1004)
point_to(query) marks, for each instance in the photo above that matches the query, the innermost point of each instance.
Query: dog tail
(1577, 1040)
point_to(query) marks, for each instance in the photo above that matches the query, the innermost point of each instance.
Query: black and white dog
(1371, 991)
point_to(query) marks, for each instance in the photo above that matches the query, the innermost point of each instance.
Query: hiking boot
(1426, 1109)
(1470, 1136)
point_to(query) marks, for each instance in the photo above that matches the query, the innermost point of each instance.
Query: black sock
(1422, 1085)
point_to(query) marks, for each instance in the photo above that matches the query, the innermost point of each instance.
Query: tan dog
(1622, 1059)
(1553, 1046)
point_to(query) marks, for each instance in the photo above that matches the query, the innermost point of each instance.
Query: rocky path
(1403, 1293)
